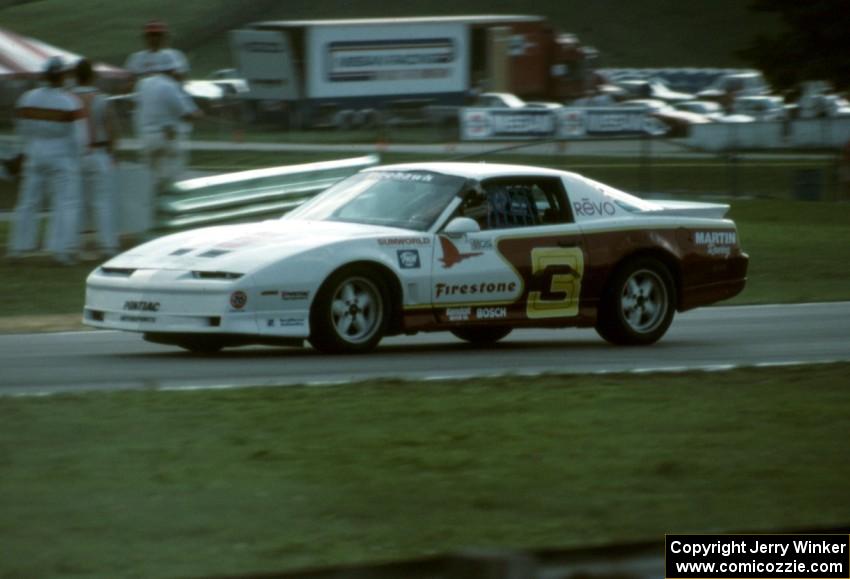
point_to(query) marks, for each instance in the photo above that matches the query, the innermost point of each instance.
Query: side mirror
(461, 226)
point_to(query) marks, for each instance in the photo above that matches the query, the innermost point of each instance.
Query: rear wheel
(350, 313)
(482, 335)
(638, 305)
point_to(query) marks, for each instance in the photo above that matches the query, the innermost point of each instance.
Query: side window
(505, 203)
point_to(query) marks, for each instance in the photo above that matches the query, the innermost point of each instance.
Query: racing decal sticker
(716, 242)
(238, 299)
(555, 284)
(408, 258)
(491, 313)
(458, 314)
(141, 306)
(404, 241)
(487, 290)
(452, 255)
(588, 208)
(294, 296)
(552, 270)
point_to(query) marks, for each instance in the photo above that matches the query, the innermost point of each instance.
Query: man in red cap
(145, 62)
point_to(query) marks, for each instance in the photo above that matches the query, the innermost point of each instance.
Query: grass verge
(155, 484)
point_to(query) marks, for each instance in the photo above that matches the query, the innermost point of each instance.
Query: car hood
(242, 248)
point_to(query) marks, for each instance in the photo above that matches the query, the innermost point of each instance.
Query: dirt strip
(48, 323)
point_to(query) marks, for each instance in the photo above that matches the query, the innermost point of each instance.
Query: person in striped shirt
(52, 125)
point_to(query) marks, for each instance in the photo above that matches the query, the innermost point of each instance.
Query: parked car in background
(499, 100)
(750, 83)
(678, 121)
(761, 108)
(653, 89)
(712, 111)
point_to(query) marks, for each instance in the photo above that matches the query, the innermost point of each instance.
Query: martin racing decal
(716, 242)
(408, 259)
(452, 255)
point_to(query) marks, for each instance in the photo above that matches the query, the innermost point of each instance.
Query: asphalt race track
(708, 338)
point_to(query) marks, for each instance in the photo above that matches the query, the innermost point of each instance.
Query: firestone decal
(484, 288)
(451, 255)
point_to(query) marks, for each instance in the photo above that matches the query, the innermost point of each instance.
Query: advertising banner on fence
(478, 124)
(567, 123)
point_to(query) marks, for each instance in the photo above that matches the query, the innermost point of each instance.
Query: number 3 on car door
(555, 282)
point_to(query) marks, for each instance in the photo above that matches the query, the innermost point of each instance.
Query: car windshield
(406, 199)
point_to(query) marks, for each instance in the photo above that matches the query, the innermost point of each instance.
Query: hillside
(627, 33)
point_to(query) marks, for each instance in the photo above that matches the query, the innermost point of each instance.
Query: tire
(482, 334)
(350, 313)
(638, 304)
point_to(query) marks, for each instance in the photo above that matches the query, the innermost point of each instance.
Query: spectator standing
(148, 61)
(161, 107)
(51, 122)
(98, 186)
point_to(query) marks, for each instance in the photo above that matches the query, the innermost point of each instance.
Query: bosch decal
(452, 255)
(141, 306)
(491, 313)
(238, 299)
(408, 259)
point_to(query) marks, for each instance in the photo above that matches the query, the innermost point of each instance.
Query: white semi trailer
(348, 71)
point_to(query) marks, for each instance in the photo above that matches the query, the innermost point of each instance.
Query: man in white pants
(98, 186)
(51, 121)
(161, 106)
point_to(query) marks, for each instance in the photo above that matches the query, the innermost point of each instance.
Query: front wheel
(350, 313)
(482, 335)
(638, 304)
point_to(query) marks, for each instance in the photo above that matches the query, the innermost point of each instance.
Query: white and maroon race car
(472, 248)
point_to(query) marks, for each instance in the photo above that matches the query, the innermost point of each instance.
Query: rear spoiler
(690, 209)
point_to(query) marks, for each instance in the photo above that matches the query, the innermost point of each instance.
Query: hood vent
(180, 251)
(213, 253)
(118, 271)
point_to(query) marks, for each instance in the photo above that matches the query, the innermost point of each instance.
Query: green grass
(650, 33)
(171, 484)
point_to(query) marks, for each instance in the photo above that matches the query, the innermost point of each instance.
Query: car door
(525, 263)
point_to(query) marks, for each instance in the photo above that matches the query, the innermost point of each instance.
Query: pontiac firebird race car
(474, 249)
